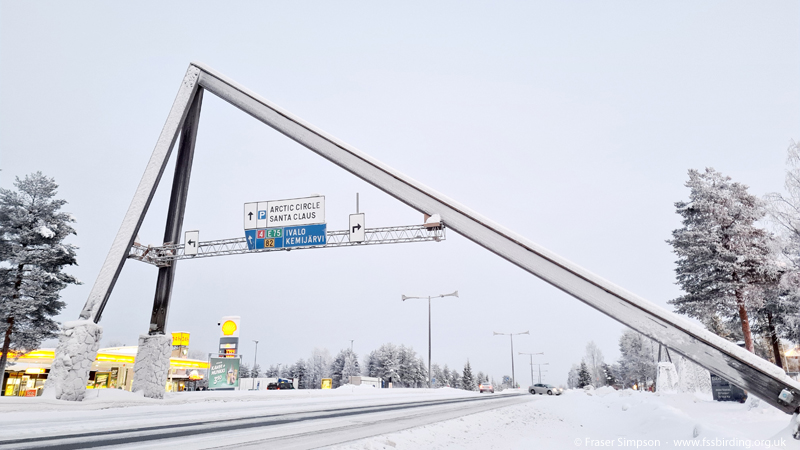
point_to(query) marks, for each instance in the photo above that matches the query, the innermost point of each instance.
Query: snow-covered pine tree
(350, 368)
(467, 380)
(422, 374)
(407, 366)
(438, 376)
(455, 379)
(244, 370)
(255, 372)
(33, 255)
(608, 375)
(584, 376)
(337, 369)
(271, 372)
(298, 371)
(722, 255)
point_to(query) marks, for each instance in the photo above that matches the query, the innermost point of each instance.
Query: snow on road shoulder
(601, 418)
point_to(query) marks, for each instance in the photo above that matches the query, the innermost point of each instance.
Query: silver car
(548, 389)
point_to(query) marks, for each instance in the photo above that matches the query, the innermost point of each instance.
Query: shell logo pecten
(228, 328)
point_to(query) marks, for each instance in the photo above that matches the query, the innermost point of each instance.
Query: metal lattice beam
(164, 256)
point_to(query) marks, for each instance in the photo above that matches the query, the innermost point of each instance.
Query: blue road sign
(305, 235)
(262, 214)
(251, 239)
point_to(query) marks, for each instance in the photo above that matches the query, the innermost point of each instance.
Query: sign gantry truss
(724, 358)
(163, 256)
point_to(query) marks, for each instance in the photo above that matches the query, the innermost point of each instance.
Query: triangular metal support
(724, 358)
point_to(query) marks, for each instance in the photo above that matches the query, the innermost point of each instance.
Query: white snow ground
(601, 418)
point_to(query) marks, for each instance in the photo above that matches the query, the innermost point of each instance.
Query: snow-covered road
(352, 418)
(277, 419)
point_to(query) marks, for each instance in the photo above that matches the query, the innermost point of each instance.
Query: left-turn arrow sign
(191, 240)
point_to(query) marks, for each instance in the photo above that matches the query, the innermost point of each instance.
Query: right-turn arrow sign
(357, 227)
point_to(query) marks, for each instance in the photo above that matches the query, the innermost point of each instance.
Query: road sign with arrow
(191, 242)
(250, 216)
(356, 227)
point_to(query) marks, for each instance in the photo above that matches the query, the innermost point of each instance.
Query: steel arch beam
(724, 358)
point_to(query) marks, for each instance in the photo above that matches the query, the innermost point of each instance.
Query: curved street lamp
(511, 335)
(531, 355)
(405, 297)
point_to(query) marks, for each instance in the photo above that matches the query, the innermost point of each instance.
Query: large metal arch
(724, 358)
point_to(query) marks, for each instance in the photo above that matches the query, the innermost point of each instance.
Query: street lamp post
(540, 370)
(511, 335)
(405, 297)
(255, 359)
(531, 355)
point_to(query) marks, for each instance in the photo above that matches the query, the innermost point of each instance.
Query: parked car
(486, 387)
(548, 389)
(280, 384)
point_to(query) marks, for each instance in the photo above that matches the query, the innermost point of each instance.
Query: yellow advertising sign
(180, 339)
(327, 383)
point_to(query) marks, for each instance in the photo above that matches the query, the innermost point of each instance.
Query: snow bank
(600, 418)
(360, 387)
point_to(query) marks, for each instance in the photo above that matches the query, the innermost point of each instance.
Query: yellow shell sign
(228, 328)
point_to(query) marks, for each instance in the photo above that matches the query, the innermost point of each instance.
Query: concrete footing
(151, 368)
(76, 351)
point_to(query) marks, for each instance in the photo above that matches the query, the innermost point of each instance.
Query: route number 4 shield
(190, 242)
(356, 227)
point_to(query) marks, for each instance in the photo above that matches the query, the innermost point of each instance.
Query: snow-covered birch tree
(637, 364)
(722, 255)
(33, 255)
(572, 377)
(594, 362)
(784, 210)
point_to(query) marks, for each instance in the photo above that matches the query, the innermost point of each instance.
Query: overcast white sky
(571, 123)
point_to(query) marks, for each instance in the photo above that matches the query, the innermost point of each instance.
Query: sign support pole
(175, 213)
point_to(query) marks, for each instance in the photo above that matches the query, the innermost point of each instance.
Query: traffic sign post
(356, 229)
(190, 242)
(298, 222)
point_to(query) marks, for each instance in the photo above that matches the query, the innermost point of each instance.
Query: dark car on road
(280, 384)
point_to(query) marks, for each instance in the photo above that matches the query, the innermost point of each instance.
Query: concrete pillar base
(76, 351)
(151, 368)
